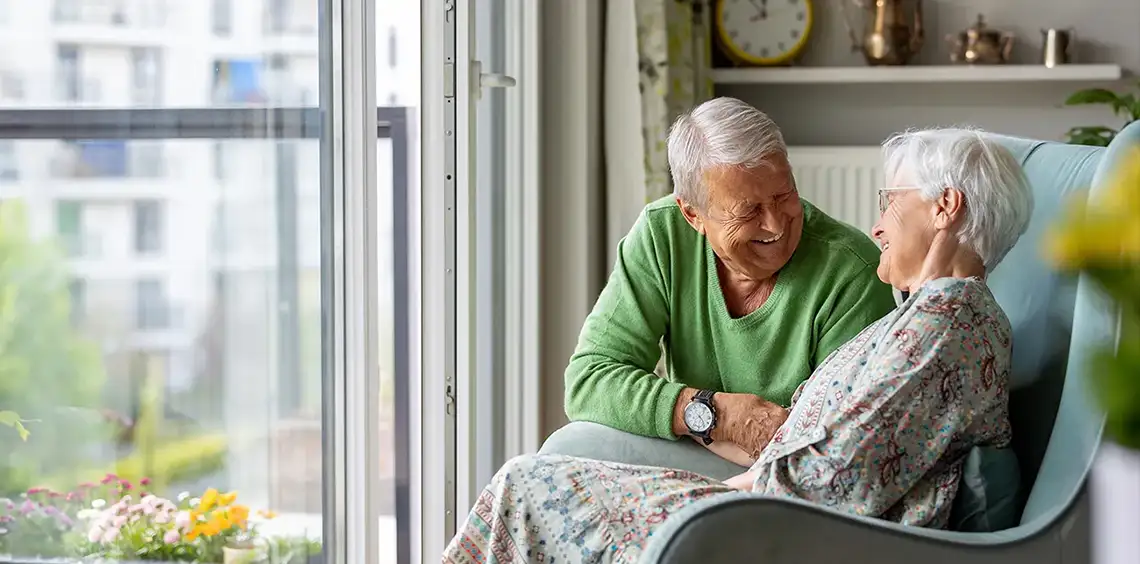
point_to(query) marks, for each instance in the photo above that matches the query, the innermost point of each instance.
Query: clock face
(698, 417)
(764, 30)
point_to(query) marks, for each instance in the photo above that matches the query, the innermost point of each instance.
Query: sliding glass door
(269, 265)
(208, 279)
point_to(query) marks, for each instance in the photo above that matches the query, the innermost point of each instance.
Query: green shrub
(170, 463)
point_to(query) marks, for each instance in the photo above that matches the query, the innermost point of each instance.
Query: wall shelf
(918, 74)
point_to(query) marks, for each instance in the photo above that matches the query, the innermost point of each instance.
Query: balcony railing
(74, 89)
(107, 158)
(141, 14)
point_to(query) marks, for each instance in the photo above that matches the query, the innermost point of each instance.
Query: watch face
(699, 417)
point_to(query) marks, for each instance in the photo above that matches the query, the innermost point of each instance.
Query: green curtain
(674, 64)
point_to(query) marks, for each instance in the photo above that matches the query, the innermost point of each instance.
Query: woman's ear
(950, 207)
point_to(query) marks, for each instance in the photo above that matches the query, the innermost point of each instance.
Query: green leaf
(1093, 96)
(12, 419)
(1094, 135)
(1126, 103)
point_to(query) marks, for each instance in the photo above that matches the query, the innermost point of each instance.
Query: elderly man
(747, 287)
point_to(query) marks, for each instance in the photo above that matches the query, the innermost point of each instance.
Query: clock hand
(761, 10)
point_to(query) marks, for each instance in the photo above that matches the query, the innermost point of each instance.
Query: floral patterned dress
(880, 429)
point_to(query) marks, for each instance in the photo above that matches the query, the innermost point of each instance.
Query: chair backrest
(1057, 322)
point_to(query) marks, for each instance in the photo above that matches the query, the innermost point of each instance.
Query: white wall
(572, 251)
(1107, 32)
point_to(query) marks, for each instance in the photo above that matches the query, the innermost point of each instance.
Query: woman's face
(905, 231)
(754, 218)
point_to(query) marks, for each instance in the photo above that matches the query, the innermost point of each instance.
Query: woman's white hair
(998, 198)
(722, 132)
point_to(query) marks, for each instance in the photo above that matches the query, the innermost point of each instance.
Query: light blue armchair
(1058, 320)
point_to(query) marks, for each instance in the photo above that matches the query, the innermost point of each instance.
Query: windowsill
(284, 525)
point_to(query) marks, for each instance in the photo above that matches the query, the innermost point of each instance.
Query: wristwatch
(700, 416)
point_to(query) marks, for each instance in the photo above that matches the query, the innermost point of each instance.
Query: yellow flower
(208, 501)
(227, 498)
(210, 528)
(266, 514)
(1106, 231)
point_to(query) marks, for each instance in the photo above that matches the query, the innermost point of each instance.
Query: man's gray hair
(722, 132)
(999, 201)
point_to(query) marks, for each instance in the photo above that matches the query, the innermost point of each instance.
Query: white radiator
(844, 182)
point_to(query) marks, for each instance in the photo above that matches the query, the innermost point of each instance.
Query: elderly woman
(881, 428)
(745, 286)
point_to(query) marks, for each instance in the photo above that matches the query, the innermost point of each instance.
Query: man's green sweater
(664, 288)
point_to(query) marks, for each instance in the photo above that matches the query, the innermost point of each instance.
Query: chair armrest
(749, 528)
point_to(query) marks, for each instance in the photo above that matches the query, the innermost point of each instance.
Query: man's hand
(746, 420)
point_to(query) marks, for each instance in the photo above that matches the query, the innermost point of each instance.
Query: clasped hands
(745, 420)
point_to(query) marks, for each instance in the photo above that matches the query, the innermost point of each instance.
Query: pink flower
(171, 537)
(86, 486)
(144, 482)
(182, 520)
(27, 507)
(125, 485)
(161, 518)
(95, 534)
(34, 491)
(108, 479)
(111, 535)
(119, 521)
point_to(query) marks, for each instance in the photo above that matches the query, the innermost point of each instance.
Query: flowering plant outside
(1102, 239)
(43, 522)
(118, 520)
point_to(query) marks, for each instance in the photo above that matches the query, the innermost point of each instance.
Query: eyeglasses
(887, 196)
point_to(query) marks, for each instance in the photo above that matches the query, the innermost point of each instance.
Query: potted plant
(1102, 240)
(1123, 105)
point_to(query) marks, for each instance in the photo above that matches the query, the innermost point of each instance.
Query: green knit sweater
(664, 289)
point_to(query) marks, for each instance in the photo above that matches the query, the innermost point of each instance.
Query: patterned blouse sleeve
(865, 449)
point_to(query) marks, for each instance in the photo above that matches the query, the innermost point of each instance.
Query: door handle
(481, 80)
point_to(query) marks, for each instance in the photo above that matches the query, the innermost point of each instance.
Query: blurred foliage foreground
(52, 385)
(1102, 239)
(49, 374)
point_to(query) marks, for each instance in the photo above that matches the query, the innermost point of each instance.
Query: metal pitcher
(1056, 46)
(892, 32)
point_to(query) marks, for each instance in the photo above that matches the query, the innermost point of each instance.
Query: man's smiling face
(753, 219)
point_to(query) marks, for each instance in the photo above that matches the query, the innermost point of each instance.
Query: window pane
(189, 361)
(149, 226)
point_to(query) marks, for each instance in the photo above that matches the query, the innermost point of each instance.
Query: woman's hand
(741, 481)
(728, 451)
(747, 420)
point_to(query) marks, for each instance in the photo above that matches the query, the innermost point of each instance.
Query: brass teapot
(892, 32)
(980, 45)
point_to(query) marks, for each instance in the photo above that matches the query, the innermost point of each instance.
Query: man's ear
(950, 208)
(691, 215)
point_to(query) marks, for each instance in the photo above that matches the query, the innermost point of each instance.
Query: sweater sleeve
(610, 377)
(863, 300)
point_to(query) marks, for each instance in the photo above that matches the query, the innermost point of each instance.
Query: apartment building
(193, 261)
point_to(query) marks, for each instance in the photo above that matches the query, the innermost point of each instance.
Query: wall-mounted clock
(763, 32)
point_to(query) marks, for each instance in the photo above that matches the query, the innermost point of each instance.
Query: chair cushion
(989, 492)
